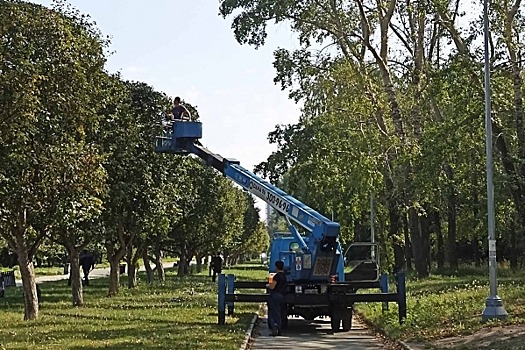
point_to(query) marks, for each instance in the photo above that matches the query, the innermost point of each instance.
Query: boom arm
(323, 241)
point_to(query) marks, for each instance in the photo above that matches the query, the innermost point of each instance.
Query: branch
(397, 32)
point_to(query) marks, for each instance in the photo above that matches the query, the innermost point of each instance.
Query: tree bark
(132, 275)
(451, 219)
(27, 272)
(114, 256)
(440, 249)
(418, 247)
(77, 295)
(132, 257)
(161, 274)
(513, 247)
(408, 243)
(114, 276)
(394, 231)
(182, 268)
(147, 266)
(426, 230)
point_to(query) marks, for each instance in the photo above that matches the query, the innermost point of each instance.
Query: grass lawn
(179, 314)
(450, 305)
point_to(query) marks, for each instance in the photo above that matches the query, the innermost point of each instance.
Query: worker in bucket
(277, 287)
(178, 112)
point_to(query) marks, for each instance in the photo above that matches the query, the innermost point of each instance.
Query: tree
(51, 64)
(134, 205)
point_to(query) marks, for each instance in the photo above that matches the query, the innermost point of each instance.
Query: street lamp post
(494, 308)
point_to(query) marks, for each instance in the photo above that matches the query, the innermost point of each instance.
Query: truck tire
(347, 320)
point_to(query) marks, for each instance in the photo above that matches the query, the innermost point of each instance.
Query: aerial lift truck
(318, 283)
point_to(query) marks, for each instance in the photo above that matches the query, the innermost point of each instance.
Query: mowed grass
(179, 314)
(449, 305)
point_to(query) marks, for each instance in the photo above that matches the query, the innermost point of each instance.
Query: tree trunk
(394, 231)
(513, 252)
(418, 247)
(114, 276)
(199, 263)
(440, 253)
(182, 268)
(478, 254)
(27, 271)
(132, 275)
(161, 274)
(426, 229)
(132, 256)
(114, 256)
(451, 219)
(76, 280)
(451, 234)
(147, 266)
(408, 243)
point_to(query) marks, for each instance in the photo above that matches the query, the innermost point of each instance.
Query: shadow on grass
(159, 337)
(164, 334)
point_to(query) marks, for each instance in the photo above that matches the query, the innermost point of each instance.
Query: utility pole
(494, 308)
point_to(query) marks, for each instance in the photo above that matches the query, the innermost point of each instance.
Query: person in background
(87, 262)
(216, 265)
(277, 288)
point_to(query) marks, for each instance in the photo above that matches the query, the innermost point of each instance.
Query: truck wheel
(335, 323)
(347, 320)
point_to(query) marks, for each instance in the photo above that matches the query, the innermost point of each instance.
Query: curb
(248, 334)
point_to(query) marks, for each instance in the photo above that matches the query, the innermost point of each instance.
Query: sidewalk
(310, 335)
(96, 273)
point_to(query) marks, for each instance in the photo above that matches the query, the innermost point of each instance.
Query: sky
(184, 48)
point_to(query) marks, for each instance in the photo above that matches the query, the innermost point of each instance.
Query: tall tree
(134, 175)
(51, 68)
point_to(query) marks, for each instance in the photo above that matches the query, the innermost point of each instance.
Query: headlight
(298, 289)
(324, 289)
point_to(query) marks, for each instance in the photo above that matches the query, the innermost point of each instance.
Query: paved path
(305, 335)
(96, 273)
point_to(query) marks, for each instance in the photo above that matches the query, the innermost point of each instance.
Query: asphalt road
(309, 335)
